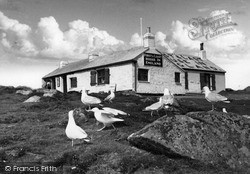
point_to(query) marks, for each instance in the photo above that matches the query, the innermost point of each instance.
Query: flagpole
(141, 31)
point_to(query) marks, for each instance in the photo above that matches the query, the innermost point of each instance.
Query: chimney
(92, 56)
(203, 53)
(62, 64)
(201, 46)
(149, 39)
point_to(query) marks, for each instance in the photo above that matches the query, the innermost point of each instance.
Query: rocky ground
(34, 132)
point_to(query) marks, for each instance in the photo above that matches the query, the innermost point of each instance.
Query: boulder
(210, 137)
(34, 98)
(24, 92)
(49, 93)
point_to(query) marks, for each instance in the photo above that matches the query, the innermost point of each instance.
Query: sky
(35, 35)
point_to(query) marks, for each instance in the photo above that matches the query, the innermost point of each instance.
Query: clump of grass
(5, 140)
(7, 89)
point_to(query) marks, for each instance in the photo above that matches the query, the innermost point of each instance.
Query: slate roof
(187, 62)
(116, 57)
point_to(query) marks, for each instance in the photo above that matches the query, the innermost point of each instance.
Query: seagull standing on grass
(224, 110)
(105, 117)
(110, 97)
(89, 100)
(214, 97)
(155, 107)
(73, 131)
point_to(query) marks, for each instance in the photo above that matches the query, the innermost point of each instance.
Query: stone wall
(160, 78)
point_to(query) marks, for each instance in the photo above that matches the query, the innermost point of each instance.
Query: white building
(141, 69)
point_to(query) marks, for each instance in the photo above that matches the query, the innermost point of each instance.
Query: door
(64, 77)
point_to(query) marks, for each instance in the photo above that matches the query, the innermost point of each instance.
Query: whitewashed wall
(160, 78)
(120, 75)
(220, 82)
(194, 85)
(83, 80)
(59, 88)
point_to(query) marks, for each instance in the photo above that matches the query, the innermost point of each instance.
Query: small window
(143, 75)
(177, 77)
(73, 82)
(103, 76)
(58, 81)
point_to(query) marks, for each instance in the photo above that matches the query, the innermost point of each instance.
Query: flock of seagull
(106, 115)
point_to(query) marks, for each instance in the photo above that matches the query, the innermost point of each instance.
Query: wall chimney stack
(203, 53)
(149, 39)
(92, 56)
(201, 46)
(63, 63)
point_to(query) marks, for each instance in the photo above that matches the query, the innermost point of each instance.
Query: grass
(35, 132)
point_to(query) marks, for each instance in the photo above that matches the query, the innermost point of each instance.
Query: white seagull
(89, 100)
(105, 117)
(214, 97)
(73, 131)
(224, 110)
(114, 111)
(111, 96)
(167, 98)
(154, 107)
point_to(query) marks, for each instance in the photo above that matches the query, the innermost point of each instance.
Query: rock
(246, 116)
(131, 93)
(210, 137)
(16, 152)
(147, 99)
(24, 92)
(49, 93)
(34, 98)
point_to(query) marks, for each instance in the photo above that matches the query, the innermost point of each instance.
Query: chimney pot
(149, 30)
(201, 46)
(92, 56)
(62, 64)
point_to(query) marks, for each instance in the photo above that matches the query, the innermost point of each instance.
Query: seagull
(154, 107)
(214, 97)
(224, 110)
(73, 131)
(167, 98)
(89, 100)
(111, 96)
(114, 111)
(105, 117)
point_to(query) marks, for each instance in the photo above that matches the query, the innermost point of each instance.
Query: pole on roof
(141, 31)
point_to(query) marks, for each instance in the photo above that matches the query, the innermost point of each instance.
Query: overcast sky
(35, 35)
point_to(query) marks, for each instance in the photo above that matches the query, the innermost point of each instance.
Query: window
(58, 81)
(177, 77)
(143, 75)
(73, 82)
(99, 77)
